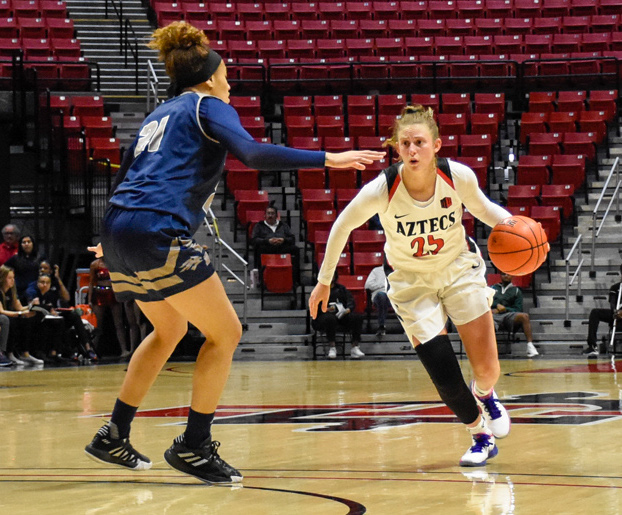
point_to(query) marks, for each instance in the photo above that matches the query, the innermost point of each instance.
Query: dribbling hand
(320, 294)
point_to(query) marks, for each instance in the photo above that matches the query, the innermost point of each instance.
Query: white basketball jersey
(422, 236)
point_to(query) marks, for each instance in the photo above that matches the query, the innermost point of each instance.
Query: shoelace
(482, 441)
(491, 407)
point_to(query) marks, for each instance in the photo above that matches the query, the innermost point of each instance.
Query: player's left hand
(320, 294)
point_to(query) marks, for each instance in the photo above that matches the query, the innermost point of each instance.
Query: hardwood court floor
(325, 438)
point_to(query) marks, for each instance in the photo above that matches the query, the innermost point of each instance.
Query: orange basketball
(518, 245)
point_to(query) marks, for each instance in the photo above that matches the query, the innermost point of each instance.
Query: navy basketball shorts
(151, 255)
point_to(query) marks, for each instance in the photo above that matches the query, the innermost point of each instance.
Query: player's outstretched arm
(320, 294)
(353, 158)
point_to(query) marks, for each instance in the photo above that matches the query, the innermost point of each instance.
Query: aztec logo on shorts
(567, 408)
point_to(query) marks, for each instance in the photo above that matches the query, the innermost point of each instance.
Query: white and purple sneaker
(495, 415)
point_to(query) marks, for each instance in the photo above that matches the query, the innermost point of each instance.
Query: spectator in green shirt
(507, 311)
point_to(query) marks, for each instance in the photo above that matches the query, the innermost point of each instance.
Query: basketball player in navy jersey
(433, 271)
(165, 186)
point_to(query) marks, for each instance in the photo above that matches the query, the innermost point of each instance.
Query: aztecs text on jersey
(423, 236)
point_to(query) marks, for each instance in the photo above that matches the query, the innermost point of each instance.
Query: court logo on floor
(565, 408)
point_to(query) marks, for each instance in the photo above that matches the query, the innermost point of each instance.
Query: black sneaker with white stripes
(115, 451)
(202, 463)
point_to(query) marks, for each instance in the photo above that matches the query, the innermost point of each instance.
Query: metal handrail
(595, 232)
(577, 244)
(219, 243)
(152, 87)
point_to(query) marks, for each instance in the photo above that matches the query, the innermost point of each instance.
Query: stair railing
(615, 168)
(152, 87)
(218, 244)
(125, 26)
(578, 246)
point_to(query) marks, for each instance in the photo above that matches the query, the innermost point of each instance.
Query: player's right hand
(320, 294)
(353, 158)
(99, 252)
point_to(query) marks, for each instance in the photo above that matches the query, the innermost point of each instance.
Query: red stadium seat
(317, 200)
(523, 195)
(277, 276)
(594, 121)
(568, 169)
(476, 145)
(365, 262)
(533, 169)
(450, 123)
(87, 105)
(345, 29)
(560, 195)
(311, 178)
(449, 147)
(531, 123)
(485, 123)
(343, 265)
(580, 143)
(545, 143)
(343, 196)
(563, 121)
(342, 178)
(318, 220)
(365, 240)
(480, 166)
(361, 125)
(542, 101)
(330, 126)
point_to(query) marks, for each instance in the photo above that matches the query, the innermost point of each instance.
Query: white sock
(482, 393)
(479, 428)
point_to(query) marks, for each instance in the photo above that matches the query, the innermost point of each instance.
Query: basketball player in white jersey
(433, 271)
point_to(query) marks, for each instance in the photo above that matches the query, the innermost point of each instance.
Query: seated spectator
(507, 311)
(46, 268)
(340, 313)
(377, 284)
(8, 248)
(607, 315)
(101, 298)
(58, 322)
(272, 236)
(21, 321)
(25, 264)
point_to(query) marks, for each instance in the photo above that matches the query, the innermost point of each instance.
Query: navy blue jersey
(179, 155)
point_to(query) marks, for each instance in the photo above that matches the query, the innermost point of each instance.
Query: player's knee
(489, 370)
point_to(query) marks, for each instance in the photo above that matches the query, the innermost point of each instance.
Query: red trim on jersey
(396, 183)
(445, 178)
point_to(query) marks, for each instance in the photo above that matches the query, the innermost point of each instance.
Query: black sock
(199, 428)
(122, 416)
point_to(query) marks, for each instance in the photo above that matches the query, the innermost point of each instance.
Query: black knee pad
(439, 359)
